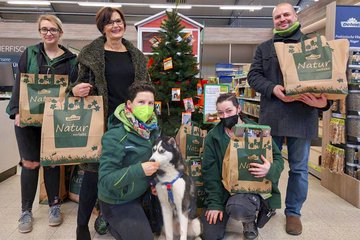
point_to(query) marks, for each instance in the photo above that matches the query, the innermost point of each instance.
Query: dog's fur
(179, 216)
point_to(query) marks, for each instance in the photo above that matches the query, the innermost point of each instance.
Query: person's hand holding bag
(82, 89)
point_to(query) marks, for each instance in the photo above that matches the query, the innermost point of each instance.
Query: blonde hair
(51, 18)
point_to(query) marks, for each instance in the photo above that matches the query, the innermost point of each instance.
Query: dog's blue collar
(169, 188)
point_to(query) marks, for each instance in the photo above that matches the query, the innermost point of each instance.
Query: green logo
(37, 94)
(245, 157)
(71, 127)
(193, 145)
(314, 62)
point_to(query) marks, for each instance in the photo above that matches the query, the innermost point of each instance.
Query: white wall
(9, 155)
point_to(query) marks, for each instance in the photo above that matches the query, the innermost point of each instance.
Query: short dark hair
(227, 97)
(103, 16)
(140, 86)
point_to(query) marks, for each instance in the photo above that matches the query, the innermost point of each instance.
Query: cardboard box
(342, 185)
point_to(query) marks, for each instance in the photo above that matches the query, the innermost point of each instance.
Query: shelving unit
(342, 184)
(256, 99)
(247, 97)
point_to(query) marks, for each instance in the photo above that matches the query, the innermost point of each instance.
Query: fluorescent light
(29, 2)
(170, 6)
(100, 4)
(239, 7)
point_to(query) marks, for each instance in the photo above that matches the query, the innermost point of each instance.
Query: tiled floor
(325, 216)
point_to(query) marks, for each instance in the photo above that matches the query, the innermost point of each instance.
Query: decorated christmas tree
(173, 69)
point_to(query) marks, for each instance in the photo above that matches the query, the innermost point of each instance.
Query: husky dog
(176, 192)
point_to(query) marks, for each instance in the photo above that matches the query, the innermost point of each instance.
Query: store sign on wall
(11, 53)
(347, 24)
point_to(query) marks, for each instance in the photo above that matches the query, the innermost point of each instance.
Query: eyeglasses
(53, 31)
(117, 21)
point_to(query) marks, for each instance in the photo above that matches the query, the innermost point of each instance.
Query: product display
(341, 158)
(337, 130)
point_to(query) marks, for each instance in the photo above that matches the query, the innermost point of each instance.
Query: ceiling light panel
(239, 7)
(46, 3)
(100, 4)
(166, 6)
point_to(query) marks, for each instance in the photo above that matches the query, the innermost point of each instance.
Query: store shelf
(314, 161)
(313, 164)
(249, 99)
(250, 114)
(338, 115)
(354, 66)
(240, 77)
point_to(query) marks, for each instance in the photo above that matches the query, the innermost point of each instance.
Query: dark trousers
(127, 221)
(29, 182)
(241, 207)
(29, 141)
(87, 197)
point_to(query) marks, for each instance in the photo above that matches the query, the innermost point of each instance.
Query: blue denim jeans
(297, 187)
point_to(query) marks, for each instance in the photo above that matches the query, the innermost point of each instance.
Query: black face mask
(229, 122)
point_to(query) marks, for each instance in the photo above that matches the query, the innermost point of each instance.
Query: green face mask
(143, 112)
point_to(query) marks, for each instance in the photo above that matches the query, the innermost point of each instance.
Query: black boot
(250, 230)
(265, 213)
(83, 233)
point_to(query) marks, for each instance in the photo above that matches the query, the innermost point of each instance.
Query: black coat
(294, 119)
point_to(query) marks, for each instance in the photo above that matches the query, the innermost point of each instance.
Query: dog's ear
(172, 142)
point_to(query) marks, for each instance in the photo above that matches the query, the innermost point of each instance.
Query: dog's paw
(194, 228)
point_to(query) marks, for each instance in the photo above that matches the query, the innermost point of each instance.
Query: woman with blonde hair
(46, 57)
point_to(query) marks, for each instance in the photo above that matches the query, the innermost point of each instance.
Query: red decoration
(150, 62)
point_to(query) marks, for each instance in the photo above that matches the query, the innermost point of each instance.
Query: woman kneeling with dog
(125, 171)
(219, 205)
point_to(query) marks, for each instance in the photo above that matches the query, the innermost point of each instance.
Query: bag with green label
(193, 169)
(314, 65)
(190, 139)
(76, 177)
(72, 130)
(33, 90)
(248, 144)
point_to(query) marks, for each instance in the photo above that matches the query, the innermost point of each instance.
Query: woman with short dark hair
(219, 204)
(107, 67)
(125, 170)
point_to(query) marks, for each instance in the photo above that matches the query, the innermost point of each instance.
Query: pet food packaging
(353, 128)
(334, 159)
(33, 90)
(353, 103)
(190, 139)
(314, 65)
(193, 169)
(72, 130)
(248, 144)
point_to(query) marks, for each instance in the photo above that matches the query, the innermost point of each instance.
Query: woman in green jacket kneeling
(124, 171)
(219, 205)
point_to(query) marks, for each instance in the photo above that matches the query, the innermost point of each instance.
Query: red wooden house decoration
(149, 27)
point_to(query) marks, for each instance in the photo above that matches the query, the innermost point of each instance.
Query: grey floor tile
(324, 216)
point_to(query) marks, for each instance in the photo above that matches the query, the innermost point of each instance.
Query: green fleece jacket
(121, 177)
(216, 143)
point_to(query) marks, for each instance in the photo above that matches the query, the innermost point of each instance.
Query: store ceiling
(205, 12)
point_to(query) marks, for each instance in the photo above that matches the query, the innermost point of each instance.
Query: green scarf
(131, 123)
(289, 31)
